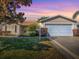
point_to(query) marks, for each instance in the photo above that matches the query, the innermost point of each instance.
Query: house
(60, 26)
(10, 29)
(14, 29)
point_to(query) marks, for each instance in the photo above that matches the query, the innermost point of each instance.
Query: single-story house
(14, 29)
(59, 26)
(10, 29)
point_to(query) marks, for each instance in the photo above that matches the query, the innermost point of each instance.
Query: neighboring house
(60, 26)
(11, 29)
(14, 29)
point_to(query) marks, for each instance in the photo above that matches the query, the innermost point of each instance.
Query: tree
(17, 4)
(32, 29)
(75, 14)
(33, 26)
(8, 7)
(8, 11)
(42, 19)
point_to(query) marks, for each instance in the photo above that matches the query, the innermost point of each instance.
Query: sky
(50, 8)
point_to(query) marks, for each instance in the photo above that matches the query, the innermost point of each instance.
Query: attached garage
(59, 26)
(60, 30)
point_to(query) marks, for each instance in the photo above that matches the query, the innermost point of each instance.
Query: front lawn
(30, 48)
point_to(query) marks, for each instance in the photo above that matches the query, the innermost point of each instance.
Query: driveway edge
(64, 50)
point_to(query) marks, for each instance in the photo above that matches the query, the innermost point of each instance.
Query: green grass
(30, 48)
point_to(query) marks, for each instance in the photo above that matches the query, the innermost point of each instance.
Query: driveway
(69, 44)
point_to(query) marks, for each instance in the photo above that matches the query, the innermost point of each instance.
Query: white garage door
(60, 30)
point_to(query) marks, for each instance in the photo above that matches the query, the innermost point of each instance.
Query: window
(78, 26)
(15, 28)
(0, 27)
(5, 27)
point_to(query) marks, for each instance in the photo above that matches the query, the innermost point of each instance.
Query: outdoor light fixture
(40, 25)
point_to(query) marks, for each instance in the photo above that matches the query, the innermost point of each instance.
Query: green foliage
(75, 14)
(33, 27)
(7, 5)
(18, 42)
(29, 48)
(7, 43)
(33, 34)
(42, 19)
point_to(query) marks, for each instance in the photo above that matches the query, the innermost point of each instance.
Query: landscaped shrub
(19, 43)
(33, 33)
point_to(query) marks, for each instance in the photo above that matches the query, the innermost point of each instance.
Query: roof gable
(59, 18)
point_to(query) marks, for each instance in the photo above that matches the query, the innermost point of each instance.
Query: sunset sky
(50, 8)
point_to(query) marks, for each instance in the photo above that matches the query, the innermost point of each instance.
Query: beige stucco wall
(59, 21)
(11, 27)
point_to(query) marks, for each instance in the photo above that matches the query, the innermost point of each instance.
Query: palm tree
(76, 26)
(42, 19)
(75, 14)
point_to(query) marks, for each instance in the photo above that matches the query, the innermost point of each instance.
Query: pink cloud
(50, 9)
(46, 4)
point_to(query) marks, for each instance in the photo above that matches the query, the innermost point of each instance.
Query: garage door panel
(60, 30)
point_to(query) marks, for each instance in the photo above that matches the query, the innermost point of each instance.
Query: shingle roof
(28, 22)
(58, 16)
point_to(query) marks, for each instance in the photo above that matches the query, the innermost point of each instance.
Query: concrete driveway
(68, 45)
